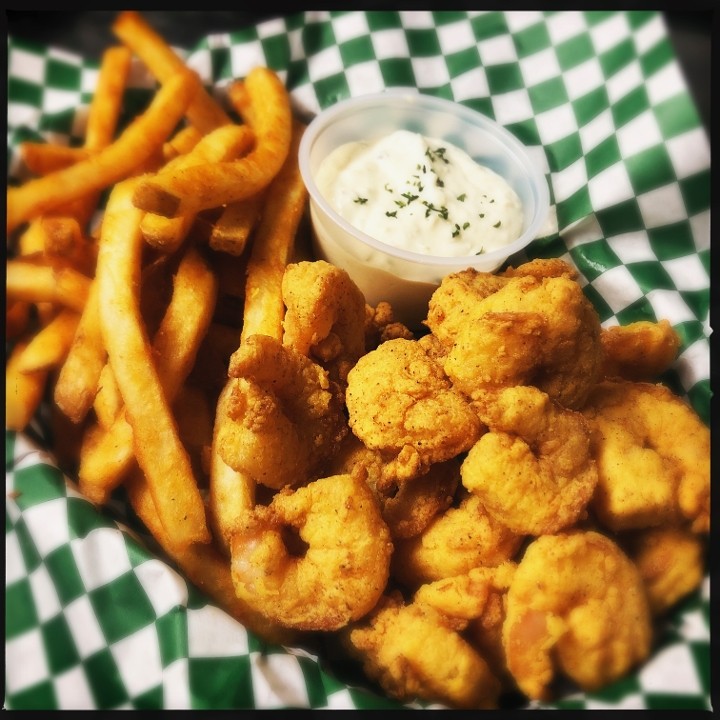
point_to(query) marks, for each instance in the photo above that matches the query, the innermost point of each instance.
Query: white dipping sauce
(421, 194)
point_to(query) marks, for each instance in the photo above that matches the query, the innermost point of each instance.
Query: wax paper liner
(95, 617)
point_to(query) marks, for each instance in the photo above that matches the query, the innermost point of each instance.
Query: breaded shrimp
(576, 605)
(285, 414)
(325, 315)
(401, 402)
(557, 324)
(533, 471)
(653, 457)
(381, 325)
(671, 561)
(475, 603)
(639, 351)
(543, 268)
(315, 558)
(412, 652)
(499, 349)
(461, 538)
(409, 508)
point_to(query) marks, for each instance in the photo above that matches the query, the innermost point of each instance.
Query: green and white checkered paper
(95, 618)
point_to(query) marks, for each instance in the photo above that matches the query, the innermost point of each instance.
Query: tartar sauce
(421, 194)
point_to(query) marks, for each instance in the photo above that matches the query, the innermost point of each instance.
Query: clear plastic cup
(404, 278)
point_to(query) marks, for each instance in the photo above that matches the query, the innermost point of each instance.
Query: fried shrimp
(413, 652)
(542, 268)
(556, 324)
(639, 351)
(475, 604)
(671, 561)
(285, 414)
(533, 471)
(401, 403)
(653, 457)
(381, 325)
(325, 315)
(499, 350)
(315, 558)
(461, 538)
(576, 605)
(409, 508)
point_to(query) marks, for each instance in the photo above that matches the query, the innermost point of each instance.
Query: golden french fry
(103, 116)
(106, 104)
(163, 62)
(42, 158)
(273, 246)
(220, 145)
(182, 142)
(63, 237)
(23, 391)
(77, 380)
(158, 449)
(204, 565)
(32, 239)
(231, 231)
(232, 492)
(108, 401)
(109, 457)
(172, 193)
(114, 162)
(50, 345)
(53, 283)
(61, 234)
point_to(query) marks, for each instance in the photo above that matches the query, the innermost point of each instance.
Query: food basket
(96, 617)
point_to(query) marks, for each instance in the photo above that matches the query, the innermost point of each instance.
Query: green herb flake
(360, 200)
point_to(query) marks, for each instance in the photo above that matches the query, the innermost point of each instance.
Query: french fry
(182, 142)
(42, 158)
(108, 401)
(53, 283)
(158, 449)
(103, 116)
(106, 104)
(23, 391)
(273, 246)
(63, 237)
(77, 381)
(163, 62)
(116, 161)
(109, 456)
(32, 239)
(49, 347)
(197, 188)
(230, 233)
(220, 145)
(232, 492)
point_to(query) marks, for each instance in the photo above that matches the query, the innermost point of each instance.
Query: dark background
(88, 33)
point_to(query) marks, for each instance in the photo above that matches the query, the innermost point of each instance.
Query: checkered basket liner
(96, 618)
